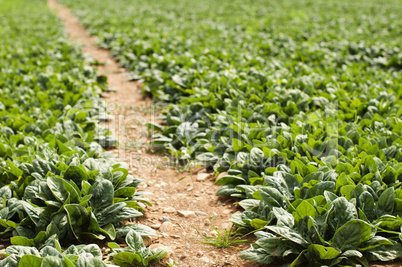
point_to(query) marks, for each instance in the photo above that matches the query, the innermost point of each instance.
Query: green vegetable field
(296, 104)
(57, 185)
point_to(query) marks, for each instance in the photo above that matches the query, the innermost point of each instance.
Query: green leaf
(124, 192)
(52, 261)
(237, 145)
(21, 241)
(386, 201)
(257, 255)
(78, 218)
(127, 259)
(272, 197)
(155, 255)
(113, 245)
(102, 195)
(351, 235)
(61, 189)
(325, 253)
(135, 241)
(283, 217)
(256, 156)
(76, 174)
(386, 252)
(304, 209)
(230, 179)
(30, 261)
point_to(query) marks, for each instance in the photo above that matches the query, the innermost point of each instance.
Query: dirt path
(171, 191)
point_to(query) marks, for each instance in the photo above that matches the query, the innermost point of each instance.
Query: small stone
(227, 211)
(200, 253)
(222, 174)
(202, 176)
(200, 213)
(203, 170)
(205, 259)
(156, 226)
(233, 258)
(213, 233)
(166, 227)
(182, 257)
(165, 219)
(169, 210)
(187, 246)
(175, 236)
(186, 213)
(206, 222)
(165, 235)
(147, 240)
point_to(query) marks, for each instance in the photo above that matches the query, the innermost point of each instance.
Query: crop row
(57, 185)
(299, 102)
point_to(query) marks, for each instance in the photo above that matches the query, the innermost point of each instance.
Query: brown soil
(171, 190)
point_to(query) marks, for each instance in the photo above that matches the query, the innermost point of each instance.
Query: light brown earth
(171, 190)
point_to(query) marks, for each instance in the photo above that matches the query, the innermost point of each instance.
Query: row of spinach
(298, 101)
(57, 184)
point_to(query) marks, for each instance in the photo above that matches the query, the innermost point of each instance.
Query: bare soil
(171, 189)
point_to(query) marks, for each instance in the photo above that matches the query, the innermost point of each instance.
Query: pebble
(147, 240)
(165, 235)
(227, 211)
(175, 236)
(202, 176)
(156, 226)
(166, 227)
(213, 233)
(200, 213)
(165, 219)
(205, 259)
(186, 213)
(203, 170)
(169, 210)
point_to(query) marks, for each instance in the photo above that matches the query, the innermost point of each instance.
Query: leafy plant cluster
(52, 254)
(57, 185)
(298, 101)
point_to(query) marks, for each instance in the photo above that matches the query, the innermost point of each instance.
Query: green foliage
(299, 101)
(51, 254)
(57, 184)
(136, 254)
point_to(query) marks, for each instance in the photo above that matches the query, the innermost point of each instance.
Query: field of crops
(57, 185)
(297, 105)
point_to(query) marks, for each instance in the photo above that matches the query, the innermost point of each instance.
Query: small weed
(225, 238)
